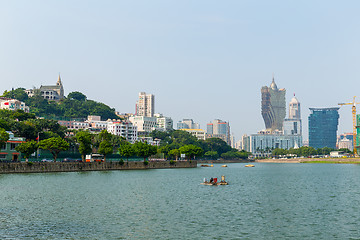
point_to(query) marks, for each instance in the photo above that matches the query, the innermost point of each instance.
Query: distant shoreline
(312, 160)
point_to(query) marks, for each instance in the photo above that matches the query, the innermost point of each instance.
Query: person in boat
(211, 180)
(223, 179)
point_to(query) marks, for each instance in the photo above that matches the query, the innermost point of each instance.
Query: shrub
(30, 163)
(146, 162)
(172, 162)
(121, 162)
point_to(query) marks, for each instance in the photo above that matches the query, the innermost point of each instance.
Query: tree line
(306, 151)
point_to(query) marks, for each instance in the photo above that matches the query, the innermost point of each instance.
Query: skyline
(202, 60)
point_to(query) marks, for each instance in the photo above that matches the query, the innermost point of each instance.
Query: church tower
(61, 88)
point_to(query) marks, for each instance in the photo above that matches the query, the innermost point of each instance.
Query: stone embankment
(43, 167)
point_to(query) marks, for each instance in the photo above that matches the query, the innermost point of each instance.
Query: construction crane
(353, 103)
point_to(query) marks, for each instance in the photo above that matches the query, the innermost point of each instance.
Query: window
(12, 146)
(3, 156)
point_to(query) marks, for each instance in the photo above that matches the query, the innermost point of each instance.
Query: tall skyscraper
(273, 106)
(323, 125)
(292, 125)
(219, 129)
(145, 106)
(294, 109)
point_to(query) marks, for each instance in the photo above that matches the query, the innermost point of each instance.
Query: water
(270, 201)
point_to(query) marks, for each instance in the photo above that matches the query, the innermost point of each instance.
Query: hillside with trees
(75, 105)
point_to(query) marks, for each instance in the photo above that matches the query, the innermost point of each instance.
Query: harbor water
(269, 201)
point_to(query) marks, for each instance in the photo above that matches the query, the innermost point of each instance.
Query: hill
(75, 105)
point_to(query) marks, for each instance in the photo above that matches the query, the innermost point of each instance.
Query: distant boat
(204, 165)
(249, 165)
(224, 165)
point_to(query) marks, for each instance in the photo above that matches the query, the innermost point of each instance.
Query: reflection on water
(270, 201)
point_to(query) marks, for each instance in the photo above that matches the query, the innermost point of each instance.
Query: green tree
(164, 149)
(279, 151)
(144, 150)
(27, 148)
(218, 145)
(77, 96)
(191, 151)
(18, 94)
(84, 140)
(55, 145)
(105, 148)
(4, 137)
(175, 153)
(126, 150)
(211, 155)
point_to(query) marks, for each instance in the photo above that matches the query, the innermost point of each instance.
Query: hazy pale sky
(202, 59)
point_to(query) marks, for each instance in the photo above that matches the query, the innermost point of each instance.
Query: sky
(202, 59)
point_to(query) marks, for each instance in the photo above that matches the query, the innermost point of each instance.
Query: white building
(145, 106)
(96, 124)
(294, 109)
(198, 133)
(346, 143)
(124, 129)
(163, 123)
(13, 105)
(50, 92)
(292, 127)
(144, 124)
(262, 144)
(74, 124)
(187, 124)
(150, 140)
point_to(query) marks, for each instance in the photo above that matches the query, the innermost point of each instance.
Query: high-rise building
(219, 129)
(294, 109)
(145, 106)
(323, 125)
(292, 125)
(187, 124)
(273, 106)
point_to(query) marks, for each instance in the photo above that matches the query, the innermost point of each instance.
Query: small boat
(204, 165)
(249, 165)
(224, 165)
(215, 182)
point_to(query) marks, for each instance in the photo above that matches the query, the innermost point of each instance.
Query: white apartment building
(150, 140)
(163, 123)
(74, 124)
(13, 105)
(346, 143)
(145, 106)
(96, 124)
(198, 133)
(187, 124)
(263, 144)
(144, 124)
(123, 129)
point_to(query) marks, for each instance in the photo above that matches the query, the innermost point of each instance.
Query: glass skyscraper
(323, 125)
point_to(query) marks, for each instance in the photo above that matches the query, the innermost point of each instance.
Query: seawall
(43, 167)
